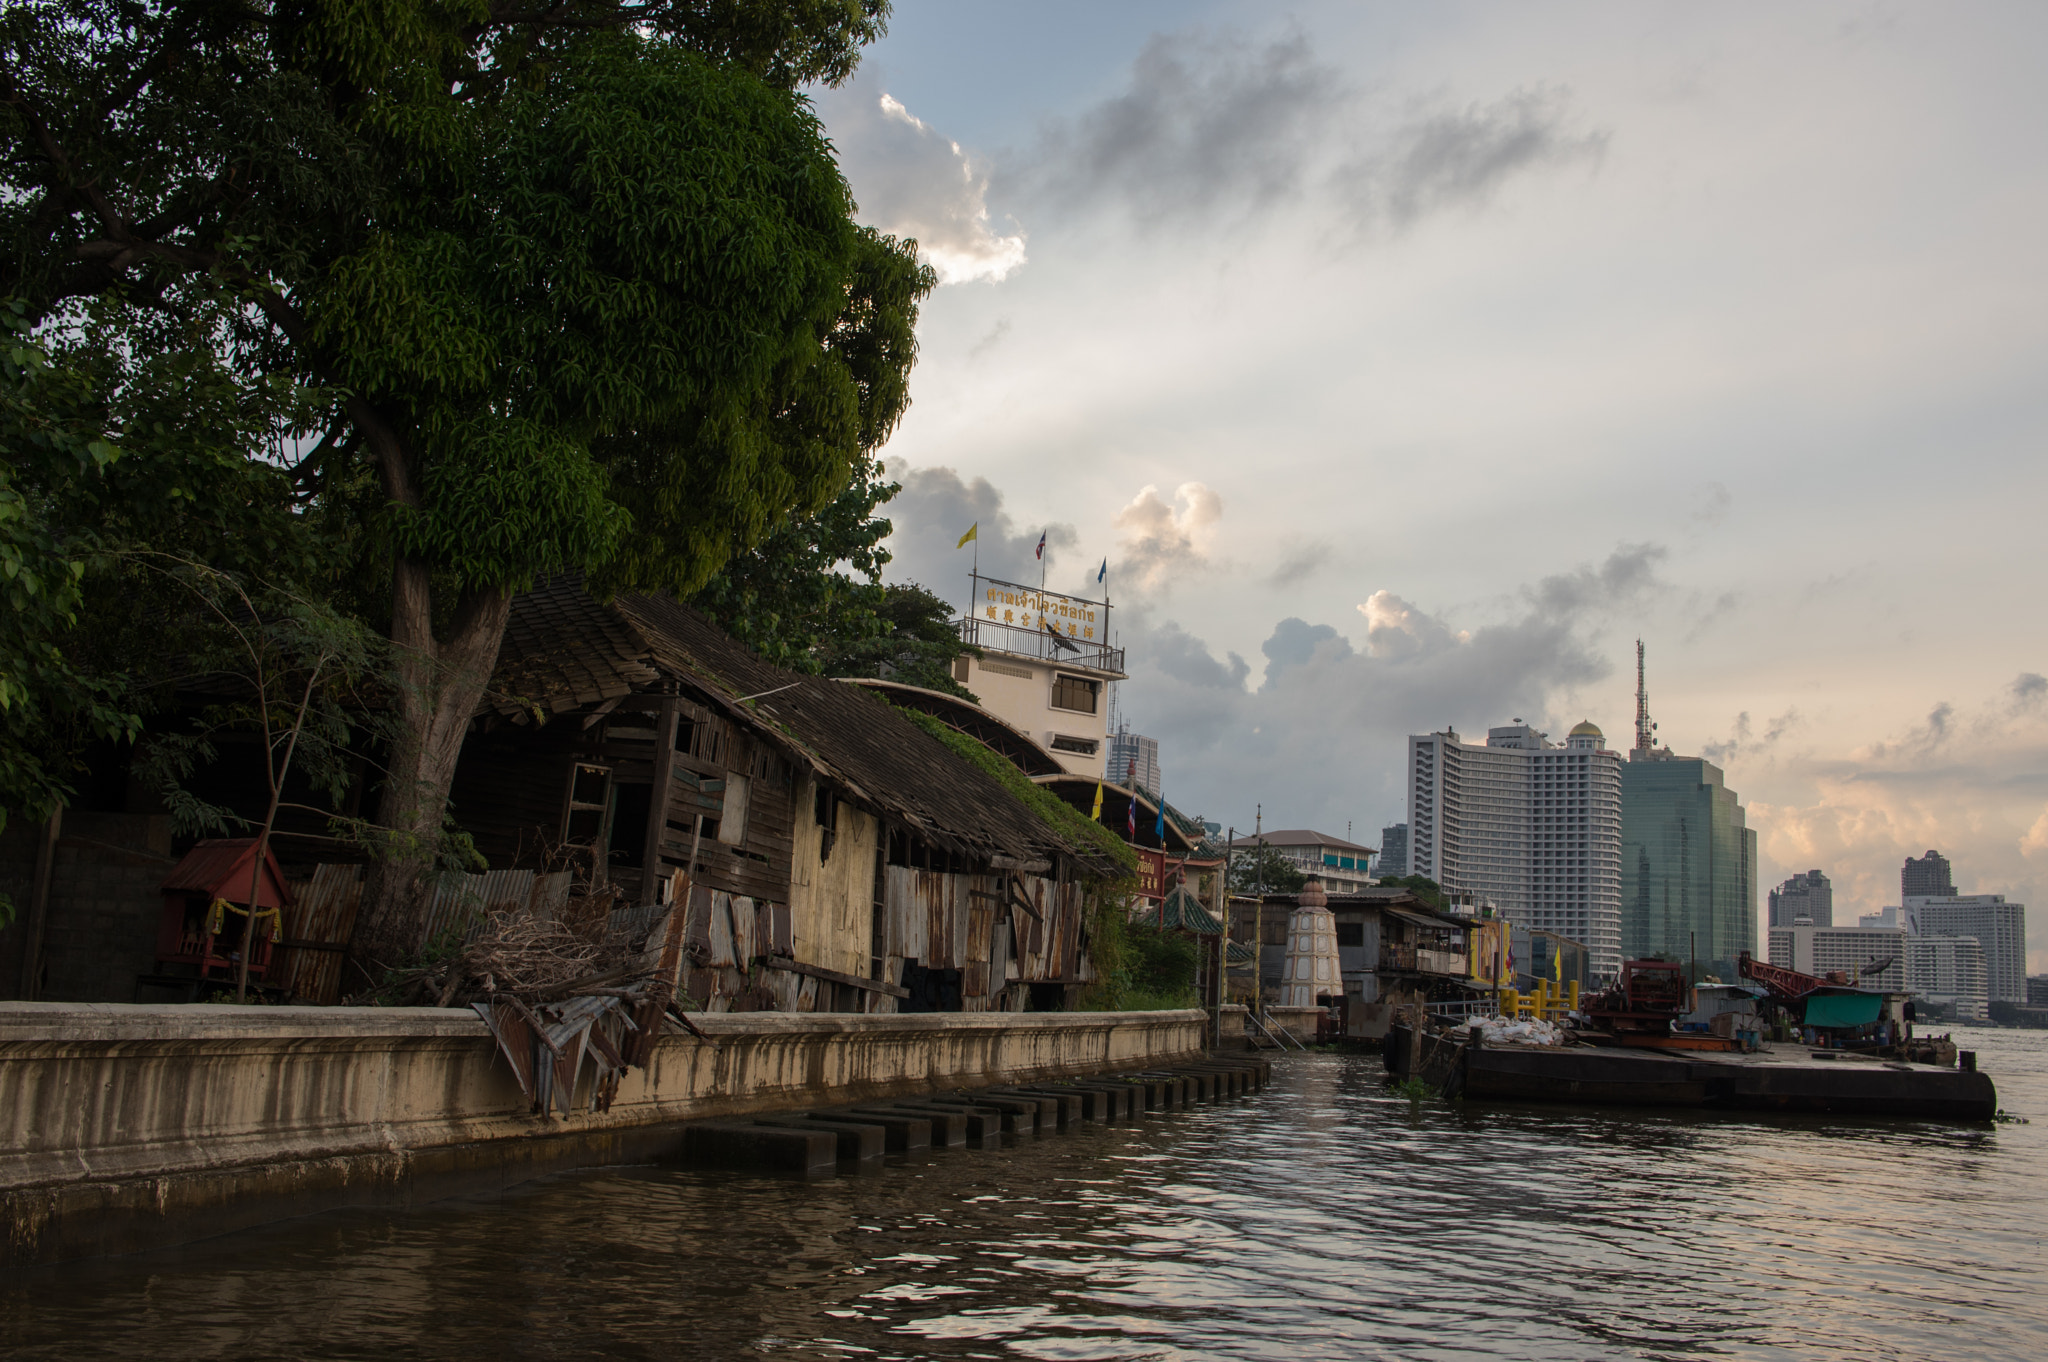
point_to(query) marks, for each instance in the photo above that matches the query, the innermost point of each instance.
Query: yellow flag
(1557, 965)
(1097, 814)
(973, 532)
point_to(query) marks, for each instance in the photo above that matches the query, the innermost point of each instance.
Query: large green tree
(810, 597)
(563, 287)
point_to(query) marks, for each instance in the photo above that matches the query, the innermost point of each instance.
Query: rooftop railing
(1039, 644)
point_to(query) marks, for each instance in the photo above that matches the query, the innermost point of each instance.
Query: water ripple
(1320, 1219)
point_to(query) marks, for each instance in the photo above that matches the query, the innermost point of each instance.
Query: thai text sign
(1151, 873)
(1025, 608)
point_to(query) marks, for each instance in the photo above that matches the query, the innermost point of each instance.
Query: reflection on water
(1319, 1219)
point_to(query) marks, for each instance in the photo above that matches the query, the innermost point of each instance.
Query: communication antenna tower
(1646, 732)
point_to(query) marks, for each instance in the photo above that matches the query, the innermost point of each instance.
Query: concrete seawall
(128, 1127)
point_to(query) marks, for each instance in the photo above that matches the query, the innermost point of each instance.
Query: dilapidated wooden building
(852, 861)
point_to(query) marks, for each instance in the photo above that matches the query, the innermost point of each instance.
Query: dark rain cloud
(1210, 127)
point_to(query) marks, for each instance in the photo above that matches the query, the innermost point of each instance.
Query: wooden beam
(833, 976)
(658, 797)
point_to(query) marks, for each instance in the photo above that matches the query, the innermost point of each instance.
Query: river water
(1322, 1218)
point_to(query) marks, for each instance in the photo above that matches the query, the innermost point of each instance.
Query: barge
(1772, 1078)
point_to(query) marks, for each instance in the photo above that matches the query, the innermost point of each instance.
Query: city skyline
(1406, 364)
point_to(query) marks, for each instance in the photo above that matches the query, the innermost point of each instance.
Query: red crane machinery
(1788, 986)
(1645, 999)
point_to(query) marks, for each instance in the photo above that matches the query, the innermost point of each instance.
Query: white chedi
(1311, 969)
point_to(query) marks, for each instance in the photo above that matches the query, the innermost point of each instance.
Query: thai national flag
(1041, 544)
(1131, 818)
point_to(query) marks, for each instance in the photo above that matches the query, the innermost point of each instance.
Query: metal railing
(1038, 644)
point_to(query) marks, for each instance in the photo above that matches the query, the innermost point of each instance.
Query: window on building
(1086, 747)
(960, 669)
(1077, 693)
(1351, 934)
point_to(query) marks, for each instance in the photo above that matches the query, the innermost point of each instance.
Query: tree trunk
(439, 683)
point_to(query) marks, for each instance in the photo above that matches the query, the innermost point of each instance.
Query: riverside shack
(856, 863)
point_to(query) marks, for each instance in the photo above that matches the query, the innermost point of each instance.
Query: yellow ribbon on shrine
(220, 908)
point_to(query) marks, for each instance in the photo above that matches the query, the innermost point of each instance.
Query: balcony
(1036, 643)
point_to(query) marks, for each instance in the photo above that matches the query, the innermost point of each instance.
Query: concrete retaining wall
(125, 1127)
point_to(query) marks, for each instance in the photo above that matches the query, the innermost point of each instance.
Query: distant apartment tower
(1134, 760)
(1807, 896)
(1950, 971)
(1688, 857)
(2000, 928)
(1852, 950)
(1926, 877)
(1393, 859)
(1526, 825)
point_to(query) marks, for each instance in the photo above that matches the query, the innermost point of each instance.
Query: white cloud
(1161, 539)
(910, 180)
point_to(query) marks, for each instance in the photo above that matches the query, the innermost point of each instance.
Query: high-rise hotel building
(1526, 825)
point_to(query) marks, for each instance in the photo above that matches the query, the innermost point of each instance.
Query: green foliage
(1263, 869)
(52, 454)
(1413, 1089)
(1424, 888)
(115, 458)
(1162, 967)
(1077, 828)
(1138, 968)
(282, 668)
(809, 597)
(428, 297)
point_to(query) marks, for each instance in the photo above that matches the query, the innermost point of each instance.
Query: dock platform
(1781, 1078)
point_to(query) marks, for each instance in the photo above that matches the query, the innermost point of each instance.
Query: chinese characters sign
(1023, 607)
(1151, 873)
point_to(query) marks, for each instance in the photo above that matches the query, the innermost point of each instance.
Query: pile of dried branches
(519, 955)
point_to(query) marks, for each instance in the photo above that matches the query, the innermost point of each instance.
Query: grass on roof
(1070, 823)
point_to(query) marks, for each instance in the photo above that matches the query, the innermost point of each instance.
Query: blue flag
(1102, 573)
(1162, 822)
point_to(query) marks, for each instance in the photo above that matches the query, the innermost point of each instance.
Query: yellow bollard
(1510, 1004)
(1573, 997)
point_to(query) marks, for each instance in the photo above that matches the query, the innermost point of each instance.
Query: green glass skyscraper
(1688, 858)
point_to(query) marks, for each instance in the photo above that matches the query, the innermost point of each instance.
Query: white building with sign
(1046, 668)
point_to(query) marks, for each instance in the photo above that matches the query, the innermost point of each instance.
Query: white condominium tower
(1526, 825)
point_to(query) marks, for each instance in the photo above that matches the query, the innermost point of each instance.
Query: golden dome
(1587, 729)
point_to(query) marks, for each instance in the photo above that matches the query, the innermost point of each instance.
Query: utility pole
(1259, 891)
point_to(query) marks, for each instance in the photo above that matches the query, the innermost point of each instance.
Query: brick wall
(100, 932)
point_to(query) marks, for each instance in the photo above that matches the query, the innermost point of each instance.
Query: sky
(1407, 363)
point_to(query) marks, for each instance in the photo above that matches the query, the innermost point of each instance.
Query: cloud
(1321, 739)
(935, 508)
(991, 340)
(1743, 742)
(912, 181)
(2027, 691)
(1180, 655)
(1295, 643)
(1160, 539)
(1461, 157)
(1204, 125)
(1714, 500)
(1970, 779)
(1212, 127)
(1627, 574)
(1303, 562)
